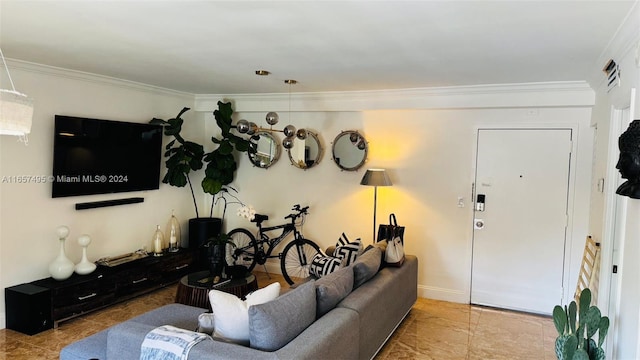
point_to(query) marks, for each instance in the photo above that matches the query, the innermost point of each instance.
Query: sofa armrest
(125, 339)
(91, 347)
(178, 315)
(382, 303)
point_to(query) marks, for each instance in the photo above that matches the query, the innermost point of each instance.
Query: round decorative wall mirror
(350, 150)
(306, 153)
(267, 150)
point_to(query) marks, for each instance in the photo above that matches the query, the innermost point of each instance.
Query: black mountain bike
(296, 257)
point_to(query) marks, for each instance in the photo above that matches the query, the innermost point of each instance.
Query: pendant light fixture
(272, 118)
(16, 110)
(301, 134)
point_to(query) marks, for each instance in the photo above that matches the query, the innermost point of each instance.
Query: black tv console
(43, 304)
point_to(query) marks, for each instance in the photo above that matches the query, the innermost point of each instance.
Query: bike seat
(258, 218)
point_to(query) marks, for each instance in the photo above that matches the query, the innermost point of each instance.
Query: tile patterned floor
(442, 330)
(433, 330)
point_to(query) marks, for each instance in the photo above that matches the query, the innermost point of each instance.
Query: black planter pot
(200, 231)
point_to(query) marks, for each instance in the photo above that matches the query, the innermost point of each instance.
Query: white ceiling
(214, 47)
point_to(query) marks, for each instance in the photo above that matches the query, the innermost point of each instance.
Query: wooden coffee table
(193, 289)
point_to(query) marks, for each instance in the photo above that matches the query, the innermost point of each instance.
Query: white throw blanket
(169, 343)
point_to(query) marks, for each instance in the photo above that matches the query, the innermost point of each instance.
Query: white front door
(522, 175)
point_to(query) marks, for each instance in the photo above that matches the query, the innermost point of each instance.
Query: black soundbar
(99, 204)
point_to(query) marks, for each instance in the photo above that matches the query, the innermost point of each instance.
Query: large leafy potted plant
(576, 325)
(185, 157)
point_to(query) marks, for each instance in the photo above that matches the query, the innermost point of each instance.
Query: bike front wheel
(244, 251)
(296, 258)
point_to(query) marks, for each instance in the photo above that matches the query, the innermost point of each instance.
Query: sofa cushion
(366, 266)
(274, 324)
(331, 289)
(382, 245)
(347, 250)
(230, 314)
(322, 265)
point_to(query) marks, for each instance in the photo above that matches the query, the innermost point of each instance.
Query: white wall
(428, 151)
(625, 50)
(430, 156)
(28, 214)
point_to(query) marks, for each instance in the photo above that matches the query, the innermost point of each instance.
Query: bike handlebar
(299, 210)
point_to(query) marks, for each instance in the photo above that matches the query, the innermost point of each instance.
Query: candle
(157, 245)
(158, 239)
(172, 239)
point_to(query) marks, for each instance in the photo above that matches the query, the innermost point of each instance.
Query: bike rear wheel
(244, 251)
(296, 258)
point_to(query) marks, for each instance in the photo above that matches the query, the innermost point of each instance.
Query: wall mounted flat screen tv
(92, 156)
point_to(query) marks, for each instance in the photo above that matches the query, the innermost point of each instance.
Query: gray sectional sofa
(351, 327)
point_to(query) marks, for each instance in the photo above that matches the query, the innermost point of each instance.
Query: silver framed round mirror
(267, 150)
(306, 153)
(350, 150)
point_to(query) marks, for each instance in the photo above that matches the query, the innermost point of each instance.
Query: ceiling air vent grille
(613, 74)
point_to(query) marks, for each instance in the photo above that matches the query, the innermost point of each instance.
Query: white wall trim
(547, 94)
(443, 294)
(89, 77)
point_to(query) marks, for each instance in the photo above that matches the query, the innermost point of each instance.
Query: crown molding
(544, 94)
(48, 70)
(547, 94)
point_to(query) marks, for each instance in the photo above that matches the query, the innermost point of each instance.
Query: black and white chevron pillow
(322, 265)
(347, 250)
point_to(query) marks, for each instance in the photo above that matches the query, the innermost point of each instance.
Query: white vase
(61, 268)
(84, 267)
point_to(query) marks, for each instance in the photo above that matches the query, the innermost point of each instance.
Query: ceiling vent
(613, 74)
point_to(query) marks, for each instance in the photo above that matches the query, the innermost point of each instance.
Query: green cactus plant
(576, 343)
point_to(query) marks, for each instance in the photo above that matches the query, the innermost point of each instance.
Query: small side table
(193, 289)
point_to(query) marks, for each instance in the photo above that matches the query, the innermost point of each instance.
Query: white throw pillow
(230, 314)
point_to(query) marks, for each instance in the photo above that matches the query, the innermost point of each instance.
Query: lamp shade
(376, 177)
(16, 113)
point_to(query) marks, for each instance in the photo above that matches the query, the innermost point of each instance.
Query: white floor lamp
(375, 178)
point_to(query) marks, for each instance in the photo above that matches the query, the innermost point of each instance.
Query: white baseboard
(272, 267)
(3, 320)
(436, 293)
